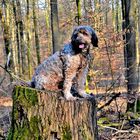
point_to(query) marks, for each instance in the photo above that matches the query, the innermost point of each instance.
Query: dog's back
(49, 73)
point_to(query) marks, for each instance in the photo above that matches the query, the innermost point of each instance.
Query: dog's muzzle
(80, 44)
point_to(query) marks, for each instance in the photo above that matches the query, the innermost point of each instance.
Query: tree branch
(109, 101)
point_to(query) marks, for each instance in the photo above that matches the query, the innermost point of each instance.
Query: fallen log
(42, 115)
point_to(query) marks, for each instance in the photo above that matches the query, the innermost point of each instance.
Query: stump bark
(41, 115)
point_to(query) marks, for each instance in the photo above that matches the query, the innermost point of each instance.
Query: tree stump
(41, 115)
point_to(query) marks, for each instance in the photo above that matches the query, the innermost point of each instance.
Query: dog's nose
(79, 37)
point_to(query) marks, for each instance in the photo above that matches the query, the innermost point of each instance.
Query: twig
(108, 127)
(109, 101)
(4, 74)
(3, 91)
(113, 83)
(118, 131)
(12, 75)
(5, 70)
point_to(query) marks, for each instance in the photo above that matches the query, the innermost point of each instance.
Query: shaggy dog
(66, 70)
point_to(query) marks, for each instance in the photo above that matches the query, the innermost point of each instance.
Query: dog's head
(84, 37)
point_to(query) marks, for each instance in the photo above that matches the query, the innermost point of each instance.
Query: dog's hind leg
(38, 81)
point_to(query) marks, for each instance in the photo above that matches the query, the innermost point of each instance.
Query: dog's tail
(27, 84)
(24, 83)
(21, 82)
(31, 84)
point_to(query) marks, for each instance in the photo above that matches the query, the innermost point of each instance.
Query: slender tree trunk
(49, 42)
(17, 36)
(28, 39)
(96, 10)
(130, 47)
(138, 2)
(79, 14)
(5, 22)
(54, 25)
(117, 15)
(37, 44)
(106, 15)
(14, 48)
(22, 43)
(113, 14)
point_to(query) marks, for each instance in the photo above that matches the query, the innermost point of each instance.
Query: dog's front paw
(87, 96)
(92, 95)
(70, 97)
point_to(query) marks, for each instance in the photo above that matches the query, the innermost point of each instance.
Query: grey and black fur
(66, 70)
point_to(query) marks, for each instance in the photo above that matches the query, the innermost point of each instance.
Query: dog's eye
(84, 33)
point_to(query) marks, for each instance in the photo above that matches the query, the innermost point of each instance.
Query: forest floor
(113, 121)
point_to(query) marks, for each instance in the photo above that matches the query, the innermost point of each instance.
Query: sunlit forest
(32, 30)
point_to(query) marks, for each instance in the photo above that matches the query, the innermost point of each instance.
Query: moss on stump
(41, 115)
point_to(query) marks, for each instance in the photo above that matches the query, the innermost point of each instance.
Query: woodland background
(31, 30)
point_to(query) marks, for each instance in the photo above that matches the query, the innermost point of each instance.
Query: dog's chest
(76, 62)
(83, 62)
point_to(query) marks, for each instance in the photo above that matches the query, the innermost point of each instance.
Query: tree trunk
(78, 3)
(5, 23)
(113, 13)
(138, 6)
(130, 50)
(37, 44)
(28, 34)
(48, 33)
(21, 36)
(118, 18)
(42, 115)
(130, 47)
(54, 26)
(17, 36)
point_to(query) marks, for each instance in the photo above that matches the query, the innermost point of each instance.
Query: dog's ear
(94, 39)
(73, 37)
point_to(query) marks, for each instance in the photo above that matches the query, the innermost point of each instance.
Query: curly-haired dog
(66, 70)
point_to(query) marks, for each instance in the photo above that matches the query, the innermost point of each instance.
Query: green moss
(25, 96)
(28, 130)
(138, 105)
(10, 134)
(83, 133)
(66, 132)
(34, 127)
(22, 128)
(19, 132)
(49, 120)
